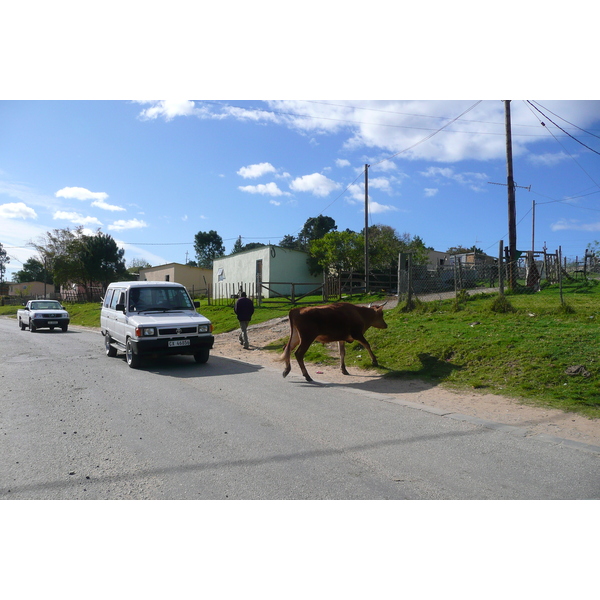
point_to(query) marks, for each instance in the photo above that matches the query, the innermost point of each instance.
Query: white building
(270, 270)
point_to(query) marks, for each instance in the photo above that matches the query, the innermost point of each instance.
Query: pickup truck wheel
(64, 327)
(21, 325)
(202, 356)
(110, 351)
(32, 327)
(133, 360)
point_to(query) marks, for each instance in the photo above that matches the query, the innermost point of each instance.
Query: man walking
(244, 309)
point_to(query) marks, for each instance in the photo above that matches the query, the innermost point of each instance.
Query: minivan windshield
(159, 299)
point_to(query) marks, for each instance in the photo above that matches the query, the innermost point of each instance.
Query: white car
(147, 318)
(38, 314)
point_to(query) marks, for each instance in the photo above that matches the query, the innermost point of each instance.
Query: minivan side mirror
(196, 304)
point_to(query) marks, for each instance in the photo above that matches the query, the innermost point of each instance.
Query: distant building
(472, 258)
(278, 267)
(194, 279)
(30, 288)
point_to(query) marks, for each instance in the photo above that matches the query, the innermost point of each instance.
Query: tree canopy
(74, 257)
(208, 246)
(33, 270)
(4, 260)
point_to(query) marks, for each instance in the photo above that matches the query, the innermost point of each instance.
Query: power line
(565, 132)
(431, 135)
(565, 120)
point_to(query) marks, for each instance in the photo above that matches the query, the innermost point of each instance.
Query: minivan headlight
(145, 331)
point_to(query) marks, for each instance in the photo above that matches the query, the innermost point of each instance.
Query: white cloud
(254, 171)
(574, 225)
(269, 189)
(105, 206)
(430, 192)
(317, 184)
(274, 202)
(475, 181)
(168, 109)
(17, 210)
(79, 193)
(549, 159)
(342, 162)
(375, 207)
(121, 224)
(76, 218)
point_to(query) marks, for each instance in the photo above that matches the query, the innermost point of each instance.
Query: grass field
(522, 353)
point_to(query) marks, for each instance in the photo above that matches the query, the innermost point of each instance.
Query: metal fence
(531, 273)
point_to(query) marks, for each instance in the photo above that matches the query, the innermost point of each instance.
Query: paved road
(75, 424)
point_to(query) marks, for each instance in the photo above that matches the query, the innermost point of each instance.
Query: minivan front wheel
(133, 360)
(110, 350)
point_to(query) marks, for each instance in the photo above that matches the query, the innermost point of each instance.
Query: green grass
(521, 351)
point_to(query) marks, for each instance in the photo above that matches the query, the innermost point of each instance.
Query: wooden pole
(366, 229)
(512, 217)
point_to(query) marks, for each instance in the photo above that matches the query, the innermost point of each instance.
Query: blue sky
(77, 147)
(152, 174)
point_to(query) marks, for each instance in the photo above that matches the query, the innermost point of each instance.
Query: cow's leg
(342, 346)
(292, 343)
(363, 342)
(300, 358)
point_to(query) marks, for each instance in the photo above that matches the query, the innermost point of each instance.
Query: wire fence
(531, 273)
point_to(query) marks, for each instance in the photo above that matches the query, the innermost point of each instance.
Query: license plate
(52, 322)
(179, 343)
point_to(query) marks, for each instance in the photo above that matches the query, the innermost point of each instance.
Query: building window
(221, 274)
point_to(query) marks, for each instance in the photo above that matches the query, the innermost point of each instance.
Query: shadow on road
(185, 367)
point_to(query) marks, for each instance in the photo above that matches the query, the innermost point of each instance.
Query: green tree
(314, 229)
(290, 242)
(102, 260)
(53, 249)
(339, 250)
(135, 265)
(4, 260)
(33, 270)
(208, 246)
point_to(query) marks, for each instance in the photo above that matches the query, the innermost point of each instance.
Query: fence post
(501, 267)
(410, 283)
(560, 274)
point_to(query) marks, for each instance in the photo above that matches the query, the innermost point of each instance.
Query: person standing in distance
(244, 309)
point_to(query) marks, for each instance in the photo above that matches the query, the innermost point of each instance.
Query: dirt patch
(484, 406)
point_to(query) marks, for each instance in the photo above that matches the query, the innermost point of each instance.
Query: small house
(269, 271)
(196, 279)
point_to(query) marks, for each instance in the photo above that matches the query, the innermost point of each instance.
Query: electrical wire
(558, 142)
(565, 120)
(565, 132)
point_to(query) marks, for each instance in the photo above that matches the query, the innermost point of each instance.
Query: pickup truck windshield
(45, 305)
(157, 298)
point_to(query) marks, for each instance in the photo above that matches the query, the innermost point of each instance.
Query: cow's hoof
(286, 371)
(307, 377)
(344, 372)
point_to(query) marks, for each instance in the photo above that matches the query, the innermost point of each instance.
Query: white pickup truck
(38, 314)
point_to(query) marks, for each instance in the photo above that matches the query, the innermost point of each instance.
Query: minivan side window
(118, 297)
(107, 298)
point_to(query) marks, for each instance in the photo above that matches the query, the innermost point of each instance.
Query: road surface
(75, 424)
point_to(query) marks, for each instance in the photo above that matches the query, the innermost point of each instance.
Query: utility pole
(512, 213)
(366, 229)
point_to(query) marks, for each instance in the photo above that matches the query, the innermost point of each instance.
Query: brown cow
(340, 322)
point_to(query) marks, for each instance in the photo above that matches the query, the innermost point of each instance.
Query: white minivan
(148, 318)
